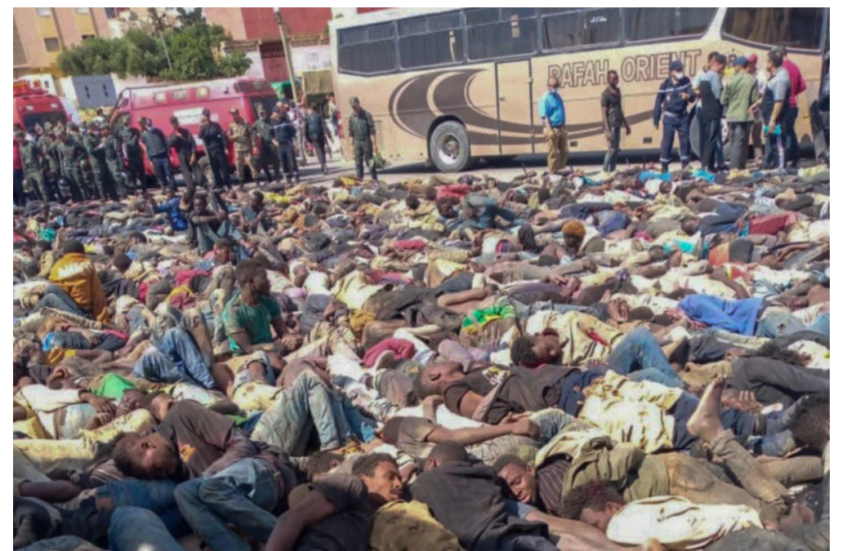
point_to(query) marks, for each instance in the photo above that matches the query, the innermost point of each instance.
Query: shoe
(664, 168)
(384, 361)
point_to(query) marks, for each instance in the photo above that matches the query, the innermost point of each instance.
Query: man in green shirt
(250, 316)
(738, 97)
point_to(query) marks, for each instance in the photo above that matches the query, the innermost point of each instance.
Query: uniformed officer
(673, 98)
(362, 132)
(113, 156)
(71, 153)
(133, 153)
(183, 143)
(94, 144)
(265, 148)
(215, 141)
(34, 181)
(48, 146)
(241, 135)
(86, 182)
(285, 136)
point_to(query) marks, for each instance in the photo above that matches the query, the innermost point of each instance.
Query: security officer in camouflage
(94, 144)
(34, 181)
(130, 137)
(362, 132)
(71, 153)
(266, 155)
(86, 182)
(48, 146)
(241, 135)
(113, 156)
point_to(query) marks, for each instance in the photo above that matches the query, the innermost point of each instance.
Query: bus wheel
(449, 147)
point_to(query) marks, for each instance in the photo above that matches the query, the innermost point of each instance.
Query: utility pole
(288, 53)
(158, 23)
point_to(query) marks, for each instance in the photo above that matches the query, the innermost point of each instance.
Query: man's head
(445, 207)
(719, 64)
(121, 262)
(145, 457)
(752, 63)
(355, 104)
(810, 424)
(412, 202)
(143, 123)
(711, 57)
(533, 352)
(433, 379)
(158, 404)
(573, 233)
(252, 277)
(174, 122)
(131, 400)
(774, 61)
(448, 451)
(221, 250)
(380, 475)
(594, 504)
(73, 246)
(199, 204)
(321, 463)
(612, 77)
(781, 50)
(740, 63)
(519, 477)
(690, 225)
(552, 83)
(235, 114)
(257, 199)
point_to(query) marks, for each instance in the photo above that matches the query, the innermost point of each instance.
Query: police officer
(113, 156)
(241, 136)
(94, 144)
(673, 98)
(266, 154)
(362, 131)
(215, 141)
(48, 146)
(71, 153)
(156, 149)
(183, 143)
(31, 159)
(86, 182)
(285, 135)
(134, 157)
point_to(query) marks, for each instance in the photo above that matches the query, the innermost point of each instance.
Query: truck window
(791, 27)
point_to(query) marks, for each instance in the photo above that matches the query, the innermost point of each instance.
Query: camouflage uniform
(241, 136)
(48, 146)
(34, 181)
(86, 182)
(98, 161)
(361, 128)
(71, 153)
(134, 155)
(267, 156)
(113, 155)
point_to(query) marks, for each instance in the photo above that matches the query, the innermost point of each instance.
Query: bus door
(515, 106)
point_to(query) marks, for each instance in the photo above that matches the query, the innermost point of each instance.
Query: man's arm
(476, 435)
(279, 326)
(238, 447)
(574, 535)
(542, 111)
(313, 509)
(604, 104)
(243, 340)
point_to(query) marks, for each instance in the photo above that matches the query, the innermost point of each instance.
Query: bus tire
(450, 150)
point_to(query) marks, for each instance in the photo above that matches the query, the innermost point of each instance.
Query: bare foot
(705, 421)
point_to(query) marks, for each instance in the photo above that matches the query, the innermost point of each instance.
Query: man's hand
(292, 342)
(524, 427)
(627, 129)
(102, 405)
(657, 125)
(685, 96)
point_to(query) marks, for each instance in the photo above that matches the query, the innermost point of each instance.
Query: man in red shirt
(798, 86)
(18, 176)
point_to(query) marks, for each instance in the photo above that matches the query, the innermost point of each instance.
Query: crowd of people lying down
(637, 360)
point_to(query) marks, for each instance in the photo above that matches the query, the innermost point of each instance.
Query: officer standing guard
(94, 144)
(265, 149)
(85, 180)
(71, 153)
(134, 156)
(48, 146)
(113, 156)
(241, 136)
(362, 131)
(673, 98)
(215, 142)
(31, 158)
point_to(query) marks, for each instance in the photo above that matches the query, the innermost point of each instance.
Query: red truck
(33, 106)
(186, 102)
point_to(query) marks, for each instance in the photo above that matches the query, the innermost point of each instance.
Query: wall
(310, 58)
(230, 19)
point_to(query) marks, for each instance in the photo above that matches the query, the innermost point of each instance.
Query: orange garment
(77, 276)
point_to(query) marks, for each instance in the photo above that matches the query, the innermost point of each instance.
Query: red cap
(752, 58)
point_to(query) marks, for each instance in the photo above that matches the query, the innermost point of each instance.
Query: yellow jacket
(77, 276)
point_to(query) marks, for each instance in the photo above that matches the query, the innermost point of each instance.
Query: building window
(82, 10)
(431, 40)
(110, 13)
(368, 50)
(566, 28)
(52, 44)
(790, 27)
(87, 36)
(43, 12)
(501, 32)
(665, 23)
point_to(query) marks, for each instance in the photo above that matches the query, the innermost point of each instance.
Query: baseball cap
(354, 101)
(778, 50)
(740, 61)
(752, 58)
(676, 65)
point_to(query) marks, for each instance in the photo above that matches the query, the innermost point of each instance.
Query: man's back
(76, 275)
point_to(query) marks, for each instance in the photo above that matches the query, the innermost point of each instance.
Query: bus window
(367, 50)
(792, 27)
(430, 40)
(501, 32)
(566, 28)
(642, 24)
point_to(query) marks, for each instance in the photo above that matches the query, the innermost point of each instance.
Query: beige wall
(230, 19)
(66, 24)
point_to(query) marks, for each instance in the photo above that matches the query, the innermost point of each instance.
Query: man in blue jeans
(156, 149)
(228, 478)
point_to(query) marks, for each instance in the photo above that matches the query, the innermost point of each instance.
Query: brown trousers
(556, 140)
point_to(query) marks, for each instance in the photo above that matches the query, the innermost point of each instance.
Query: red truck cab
(187, 101)
(33, 106)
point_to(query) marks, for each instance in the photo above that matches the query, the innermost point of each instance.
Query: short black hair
(320, 462)
(642, 313)
(418, 386)
(121, 262)
(522, 352)
(412, 201)
(246, 270)
(366, 464)
(509, 459)
(809, 421)
(712, 55)
(611, 72)
(73, 246)
(720, 58)
(595, 495)
(775, 58)
(391, 430)
(257, 194)
(448, 451)
(125, 455)
(137, 236)
(775, 351)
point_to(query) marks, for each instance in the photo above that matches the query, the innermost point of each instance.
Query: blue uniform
(672, 108)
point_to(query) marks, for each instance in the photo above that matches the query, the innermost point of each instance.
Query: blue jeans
(640, 357)
(243, 494)
(152, 495)
(777, 323)
(176, 359)
(55, 297)
(163, 171)
(136, 529)
(285, 423)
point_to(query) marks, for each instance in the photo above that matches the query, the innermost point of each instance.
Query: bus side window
(800, 28)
